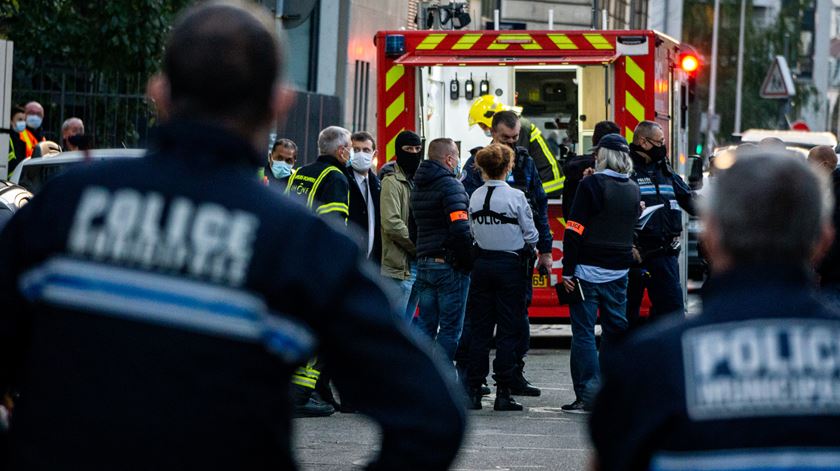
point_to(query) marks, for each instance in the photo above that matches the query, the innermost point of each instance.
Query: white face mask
(20, 126)
(488, 133)
(361, 161)
(33, 121)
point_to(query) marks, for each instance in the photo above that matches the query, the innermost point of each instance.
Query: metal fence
(113, 107)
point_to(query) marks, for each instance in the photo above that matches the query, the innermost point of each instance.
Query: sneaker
(577, 407)
(313, 408)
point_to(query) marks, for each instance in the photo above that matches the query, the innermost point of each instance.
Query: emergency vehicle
(427, 81)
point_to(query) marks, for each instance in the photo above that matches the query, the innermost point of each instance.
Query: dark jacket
(599, 230)
(179, 354)
(573, 170)
(525, 178)
(551, 174)
(659, 184)
(441, 206)
(829, 269)
(323, 187)
(359, 212)
(738, 380)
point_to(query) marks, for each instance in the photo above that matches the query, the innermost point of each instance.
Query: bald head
(647, 130)
(823, 158)
(33, 107)
(440, 148)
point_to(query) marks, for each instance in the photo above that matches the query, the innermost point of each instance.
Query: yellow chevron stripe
(531, 45)
(635, 72)
(467, 41)
(598, 41)
(393, 75)
(562, 41)
(391, 147)
(634, 107)
(628, 134)
(395, 109)
(431, 41)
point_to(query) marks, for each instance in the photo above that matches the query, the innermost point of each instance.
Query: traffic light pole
(710, 138)
(740, 79)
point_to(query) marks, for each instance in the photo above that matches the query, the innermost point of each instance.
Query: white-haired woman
(598, 245)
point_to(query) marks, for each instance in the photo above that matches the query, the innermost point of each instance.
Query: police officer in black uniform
(752, 382)
(504, 230)
(658, 242)
(154, 309)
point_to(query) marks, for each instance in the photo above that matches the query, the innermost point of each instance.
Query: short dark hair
(222, 62)
(508, 118)
(286, 144)
(15, 110)
(440, 145)
(602, 128)
(363, 136)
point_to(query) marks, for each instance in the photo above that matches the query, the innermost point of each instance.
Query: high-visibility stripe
(393, 75)
(598, 41)
(562, 41)
(303, 382)
(634, 107)
(467, 41)
(575, 227)
(395, 109)
(635, 72)
(554, 185)
(431, 41)
(310, 200)
(333, 208)
(628, 134)
(391, 147)
(528, 42)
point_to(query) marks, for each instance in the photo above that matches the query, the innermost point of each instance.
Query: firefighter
(505, 129)
(154, 310)
(504, 230)
(551, 173)
(323, 185)
(751, 383)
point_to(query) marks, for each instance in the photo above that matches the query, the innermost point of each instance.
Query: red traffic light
(689, 63)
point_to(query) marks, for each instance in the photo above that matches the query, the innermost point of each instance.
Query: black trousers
(497, 298)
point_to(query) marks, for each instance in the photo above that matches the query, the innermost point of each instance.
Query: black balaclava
(408, 161)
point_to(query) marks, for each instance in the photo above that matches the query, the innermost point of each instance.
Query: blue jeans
(443, 299)
(611, 299)
(407, 304)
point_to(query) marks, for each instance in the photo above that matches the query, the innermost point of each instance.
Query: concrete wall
(568, 14)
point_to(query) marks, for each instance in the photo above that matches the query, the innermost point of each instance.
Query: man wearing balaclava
(398, 230)
(658, 241)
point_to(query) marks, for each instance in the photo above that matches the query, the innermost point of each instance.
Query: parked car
(32, 174)
(12, 198)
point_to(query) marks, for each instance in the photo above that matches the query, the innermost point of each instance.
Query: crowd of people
(27, 138)
(179, 311)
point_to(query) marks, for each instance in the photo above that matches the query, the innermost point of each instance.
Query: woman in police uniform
(503, 227)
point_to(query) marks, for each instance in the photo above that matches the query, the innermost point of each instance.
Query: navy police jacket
(660, 185)
(524, 177)
(754, 379)
(154, 309)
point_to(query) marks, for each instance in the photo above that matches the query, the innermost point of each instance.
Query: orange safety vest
(31, 141)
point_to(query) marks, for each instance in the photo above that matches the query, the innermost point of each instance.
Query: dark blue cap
(614, 142)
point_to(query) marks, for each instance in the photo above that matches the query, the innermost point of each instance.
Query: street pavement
(540, 438)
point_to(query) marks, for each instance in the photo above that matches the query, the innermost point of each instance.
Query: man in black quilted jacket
(440, 206)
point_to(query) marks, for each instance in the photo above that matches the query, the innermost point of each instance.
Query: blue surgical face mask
(33, 121)
(20, 126)
(280, 169)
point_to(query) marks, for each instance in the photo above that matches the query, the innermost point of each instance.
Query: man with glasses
(658, 239)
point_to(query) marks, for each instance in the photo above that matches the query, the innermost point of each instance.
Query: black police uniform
(751, 384)
(526, 179)
(504, 231)
(657, 242)
(154, 310)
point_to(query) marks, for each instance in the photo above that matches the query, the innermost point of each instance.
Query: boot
(521, 386)
(474, 396)
(504, 402)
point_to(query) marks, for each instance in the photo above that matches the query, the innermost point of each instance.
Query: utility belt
(526, 256)
(669, 246)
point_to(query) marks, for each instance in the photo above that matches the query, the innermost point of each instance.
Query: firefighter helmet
(484, 107)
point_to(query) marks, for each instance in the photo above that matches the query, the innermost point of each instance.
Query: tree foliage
(761, 45)
(125, 36)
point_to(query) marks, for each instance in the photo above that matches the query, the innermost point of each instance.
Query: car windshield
(34, 177)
